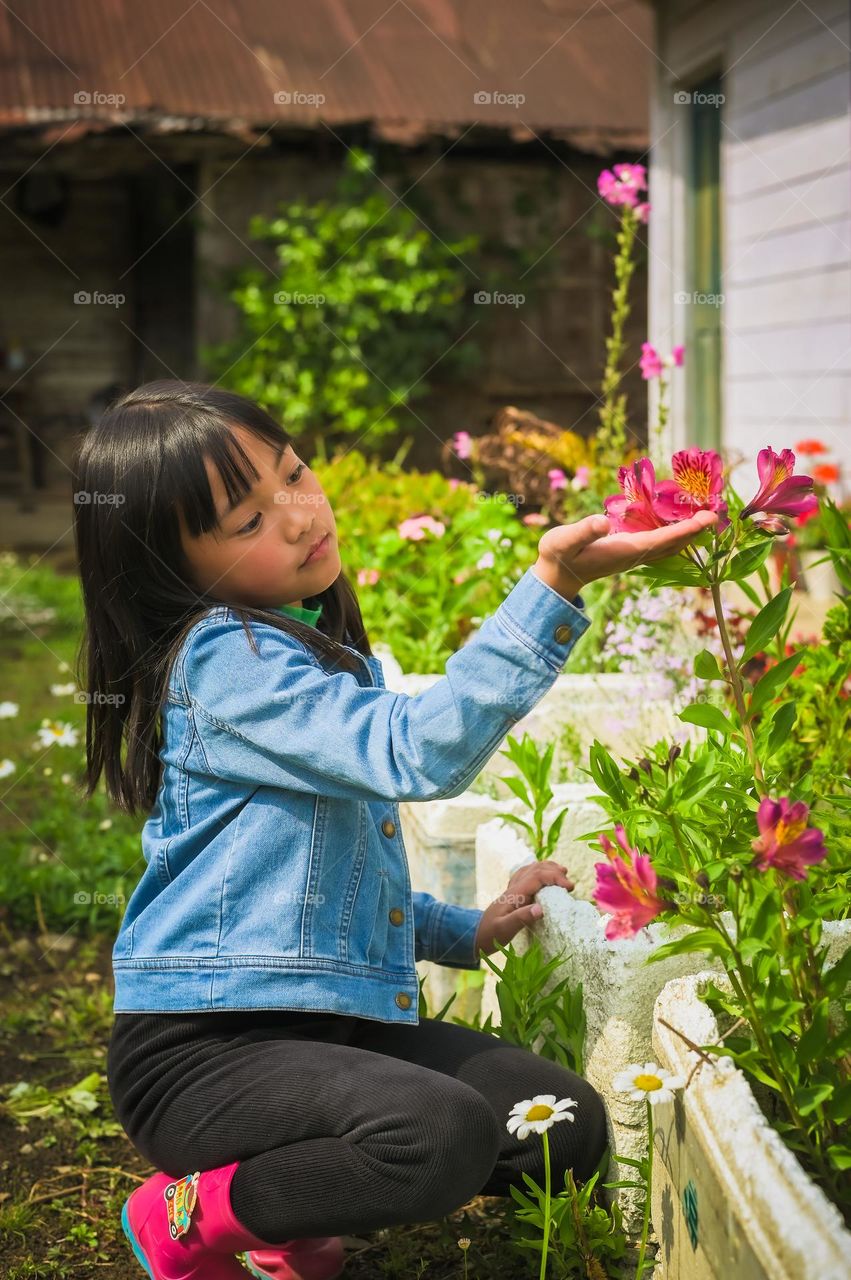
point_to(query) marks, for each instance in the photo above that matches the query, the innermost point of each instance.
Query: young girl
(267, 1054)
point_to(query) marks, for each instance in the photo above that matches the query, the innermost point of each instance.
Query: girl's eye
(251, 526)
(297, 473)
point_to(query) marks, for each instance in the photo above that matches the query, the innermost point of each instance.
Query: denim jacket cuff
(545, 621)
(446, 933)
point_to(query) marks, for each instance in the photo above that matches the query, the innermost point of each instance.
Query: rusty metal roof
(408, 68)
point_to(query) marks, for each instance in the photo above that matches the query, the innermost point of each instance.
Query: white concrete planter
(440, 842)
(730, 1200)
(619, 987)
(820, 580)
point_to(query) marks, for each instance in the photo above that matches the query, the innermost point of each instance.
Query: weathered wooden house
(136, 141)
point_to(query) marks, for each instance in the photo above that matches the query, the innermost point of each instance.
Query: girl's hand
(515, 907)
(572, 555)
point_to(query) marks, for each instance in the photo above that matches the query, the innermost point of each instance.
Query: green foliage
(362, 299)
(533, 788)
(586, 1237)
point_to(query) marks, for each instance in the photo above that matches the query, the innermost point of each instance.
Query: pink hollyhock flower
(635, 507)
(785, 841)
(581, 478)
(643, 211)
(368, 577)
(558, 480)
(626, 888)
(415, 528)
(677, 355)
(624, 185)
(780, 492)
(811, 447)
(651, 362)
(536, 517)
(462, 443)
(698, 485)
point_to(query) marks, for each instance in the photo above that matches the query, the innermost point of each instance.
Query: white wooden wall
(786, 216)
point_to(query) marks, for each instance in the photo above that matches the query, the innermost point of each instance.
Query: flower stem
(645, 1226)
(738, 691)
(546, 1205)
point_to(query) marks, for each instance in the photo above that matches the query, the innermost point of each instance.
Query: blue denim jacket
(276, 873)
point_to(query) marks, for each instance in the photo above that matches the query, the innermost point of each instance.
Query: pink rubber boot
(185, 1228)
(319, 1258)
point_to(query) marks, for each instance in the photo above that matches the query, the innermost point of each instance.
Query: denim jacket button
(397, 915)
(563, 633)
(388, 826)
(403, 1000)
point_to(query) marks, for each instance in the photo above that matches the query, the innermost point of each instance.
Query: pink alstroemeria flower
(626, 888)
(780, 492)
(785, 841)
(462, 443)
(698, 485)
(635, 507)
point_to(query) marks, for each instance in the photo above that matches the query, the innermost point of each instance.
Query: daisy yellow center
(695, 483)
(539, 1112)
(787, 832)
(648, 1083)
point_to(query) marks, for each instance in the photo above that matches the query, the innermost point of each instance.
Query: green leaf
(700, 940)
(772, 682)
(781, 726)
(807, 1100)
(704, 713)
(706, 666)
(766, 624)
(839, 1156)
(746, 562)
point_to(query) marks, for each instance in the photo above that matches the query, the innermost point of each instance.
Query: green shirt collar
(299, 612)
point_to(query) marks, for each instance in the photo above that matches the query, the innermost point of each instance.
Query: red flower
(811, 447)
(785, 841)
(826, 473)
(626, 888)
(780, 492)
(698, 485)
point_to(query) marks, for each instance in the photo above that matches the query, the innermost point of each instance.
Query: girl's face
(256, 554)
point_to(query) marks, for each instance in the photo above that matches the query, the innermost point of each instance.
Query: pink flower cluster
(416, 527)
(698, 484)
(623, 186)
(652, 364)
(628, 888)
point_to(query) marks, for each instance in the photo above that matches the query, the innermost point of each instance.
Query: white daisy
(54, 731)
(62, 690)
(6, 767)
(647, 1083)
(8, 709)
(535, 1115)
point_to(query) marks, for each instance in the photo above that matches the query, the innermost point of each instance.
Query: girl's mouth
(318, 551)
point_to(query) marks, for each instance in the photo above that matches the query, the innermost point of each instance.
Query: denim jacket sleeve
(445, 932)
(278, 718)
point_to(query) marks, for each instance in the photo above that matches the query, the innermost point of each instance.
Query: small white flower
(6, 767)
(54, 731)
(47, 772)
(647, 1083)
(494, 534)
(62, 690)
(535, 1115)
(105, 825)
(66, 778)
(486, 561)
(8, 709)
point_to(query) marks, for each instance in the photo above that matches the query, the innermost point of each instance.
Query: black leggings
(341, 1124)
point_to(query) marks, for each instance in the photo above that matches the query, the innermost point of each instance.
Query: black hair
(133, 471)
